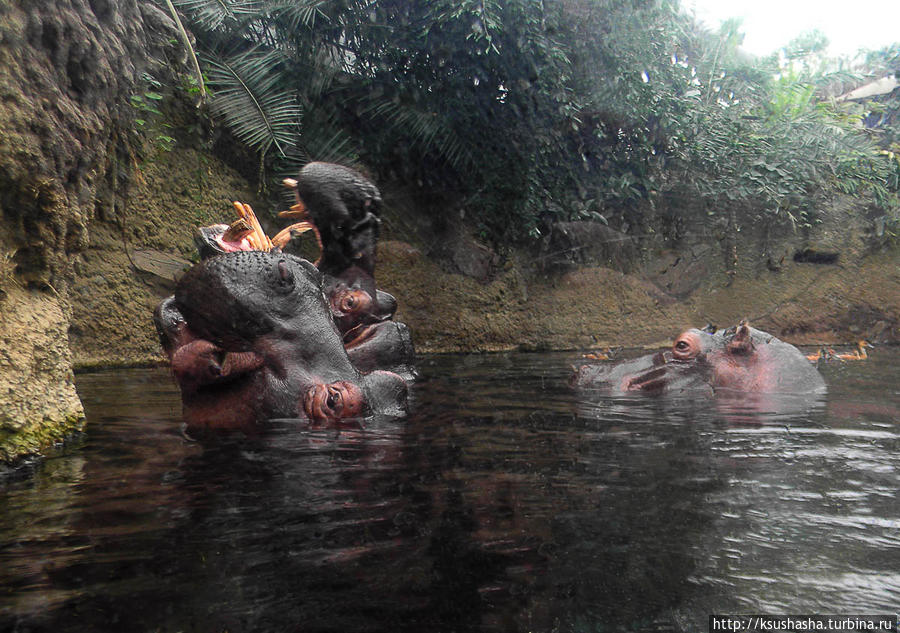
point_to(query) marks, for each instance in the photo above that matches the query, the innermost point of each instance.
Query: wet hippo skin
(251, 336)
(739, 359)
(344, 207)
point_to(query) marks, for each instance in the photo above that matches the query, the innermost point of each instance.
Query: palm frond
(211, 14)
(248, 96)
(298, 13)
(426, 129)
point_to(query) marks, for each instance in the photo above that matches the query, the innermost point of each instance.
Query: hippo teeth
(257, 237)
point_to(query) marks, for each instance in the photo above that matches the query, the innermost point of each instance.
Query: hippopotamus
(737, 359)
(343, 207)
(250, 336)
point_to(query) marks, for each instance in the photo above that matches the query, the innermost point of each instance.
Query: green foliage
(249, 96)
(148, 116)
(524, 113)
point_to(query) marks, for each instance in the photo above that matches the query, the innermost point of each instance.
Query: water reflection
(505, 502)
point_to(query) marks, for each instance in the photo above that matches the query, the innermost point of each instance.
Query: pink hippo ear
(741, 342)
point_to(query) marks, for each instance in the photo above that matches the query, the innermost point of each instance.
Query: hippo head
(354, 301)
(250, 336)
(345, 206)
(740, 359)
(232, 299)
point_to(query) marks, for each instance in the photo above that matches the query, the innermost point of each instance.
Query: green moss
(37, 438)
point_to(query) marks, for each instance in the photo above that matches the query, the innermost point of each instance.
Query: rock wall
(67, 71)
(37, 387)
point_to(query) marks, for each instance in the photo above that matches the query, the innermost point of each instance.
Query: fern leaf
(298, 13)
(427, 130)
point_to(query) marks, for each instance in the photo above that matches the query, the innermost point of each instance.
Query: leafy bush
(527, 112)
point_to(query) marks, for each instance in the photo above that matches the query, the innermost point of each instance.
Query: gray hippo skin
(250, 336)
(739, 359)
(344, 206)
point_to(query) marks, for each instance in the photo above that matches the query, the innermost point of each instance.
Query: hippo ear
(285, 279)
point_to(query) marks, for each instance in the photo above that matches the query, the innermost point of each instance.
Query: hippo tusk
(286, 234)
(296, 211)
(245, 211)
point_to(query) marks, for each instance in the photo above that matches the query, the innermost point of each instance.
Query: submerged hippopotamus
(250, 336)
(738, 359)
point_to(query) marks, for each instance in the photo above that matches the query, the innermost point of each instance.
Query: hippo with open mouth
(737, 359)
(341, 207)
(250, 336)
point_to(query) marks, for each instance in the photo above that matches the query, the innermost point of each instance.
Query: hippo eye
(686, 347)
(348, 302)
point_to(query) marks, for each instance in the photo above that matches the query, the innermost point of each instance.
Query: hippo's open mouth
(655, 377)
(253, 331)
(651, 380)
(359, 334)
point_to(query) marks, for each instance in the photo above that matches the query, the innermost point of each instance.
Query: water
(504, 502)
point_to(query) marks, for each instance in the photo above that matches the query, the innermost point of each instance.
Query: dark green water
(504, 502)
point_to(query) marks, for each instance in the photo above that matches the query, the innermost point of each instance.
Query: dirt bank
(128, 268)
(594, 307)
(133, 260)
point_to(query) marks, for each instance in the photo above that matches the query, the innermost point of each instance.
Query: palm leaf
(426, 129)
(211, 14)
(248, 96)
(297, 13)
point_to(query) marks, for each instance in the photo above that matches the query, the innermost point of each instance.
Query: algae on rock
(37, 386)
(67, 70)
